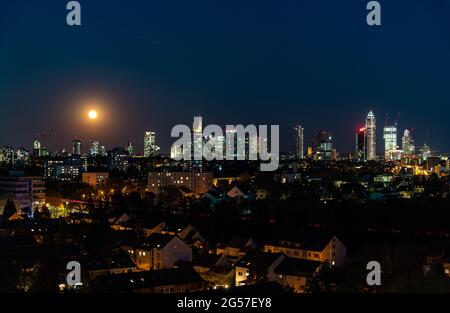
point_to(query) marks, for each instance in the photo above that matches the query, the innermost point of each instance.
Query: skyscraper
(426, 152)
(118, 159)
(360, 144)
(149, 144)
(176, 152)
(77, 147)
(298, 133)
(22, 154)
(216, 142)
(36, 148)
(324, 145)
(390, 141)
(197, 140)
(408, 143)
(130, 149)
(94, 148)
(371, 137)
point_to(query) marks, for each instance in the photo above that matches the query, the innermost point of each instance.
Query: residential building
(198, 182)
(293, 274)
(175, 280)
(315, 246)
(159, 251)
(95, 179)
(244, 274)
(24, 191)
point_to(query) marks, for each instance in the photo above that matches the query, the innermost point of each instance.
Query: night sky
(148, 65)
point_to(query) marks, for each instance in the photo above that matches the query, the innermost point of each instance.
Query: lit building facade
(130, 149)
(22, 156)
(149, 144)
(95, 179)
(197, 137)
(118, 159)
(324, 145)
(390, 142)
(77, 147)
(426, 152)
(24, 191)
(36, 148)
(198, 182)
(176, 152)
(298, 133)
(65, 168)
(7, 155)
(94, 148)
(371, 137)
(408, 143)
(360, 144)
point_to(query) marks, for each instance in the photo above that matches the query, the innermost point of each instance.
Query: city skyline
(157, 68)
(392, 143)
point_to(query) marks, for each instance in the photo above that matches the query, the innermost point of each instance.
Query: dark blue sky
(153, 64)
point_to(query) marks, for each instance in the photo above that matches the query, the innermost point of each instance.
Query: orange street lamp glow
(92, 114)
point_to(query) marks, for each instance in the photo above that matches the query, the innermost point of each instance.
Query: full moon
(92, 114)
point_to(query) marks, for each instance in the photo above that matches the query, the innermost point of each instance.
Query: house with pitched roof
(158, 251)
(236, 247)
(314, 245)
(244, 268)
(174, 280)
(294, 273)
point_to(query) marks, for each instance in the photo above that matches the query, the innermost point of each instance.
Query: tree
(257, 268)
(42, 279)
(42, 214)
(323, 282)
(9, 210)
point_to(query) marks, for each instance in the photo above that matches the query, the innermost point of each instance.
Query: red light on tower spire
(362, 129)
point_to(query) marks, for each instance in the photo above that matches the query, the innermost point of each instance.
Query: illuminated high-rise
(426, 152)
(218, 142)
(230, 143)
(197, 144)
(130, 149)
(408, 143)
(252, 144)
(22, 154)
(197, 140)
(298, 133)
(36, 148)
(77, 147)
(371, 137)
(94, 148)
(176, 152)
(360, 144)
(390, 141)
(324, 145)
(149, 144)
(7, 155)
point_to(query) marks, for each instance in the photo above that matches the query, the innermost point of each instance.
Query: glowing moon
(92, 114)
